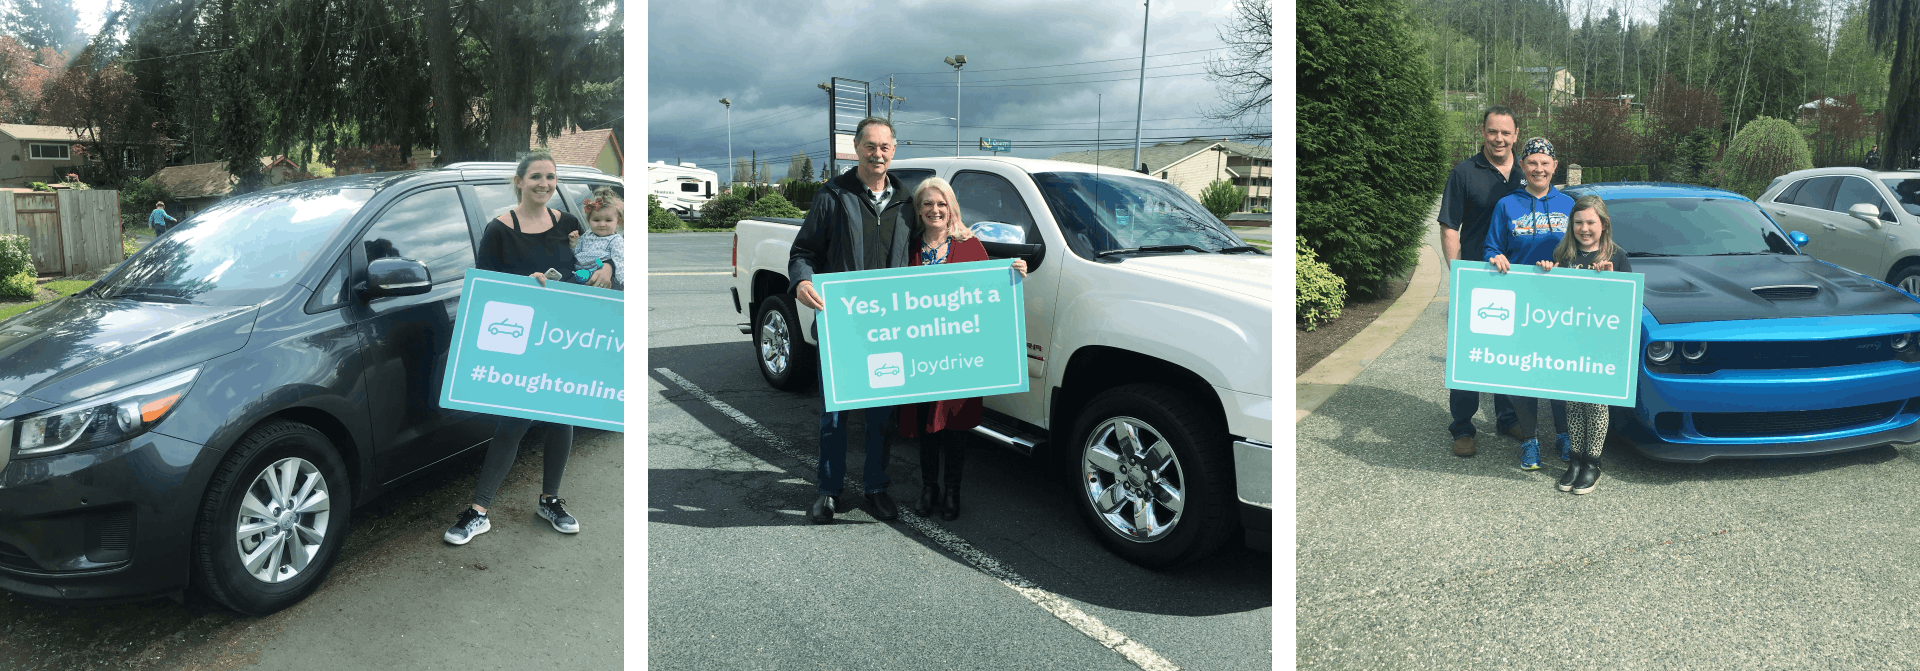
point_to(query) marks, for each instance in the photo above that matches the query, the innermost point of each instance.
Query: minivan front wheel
(273, 519)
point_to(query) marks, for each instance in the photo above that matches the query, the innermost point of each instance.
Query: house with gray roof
(1193, 164)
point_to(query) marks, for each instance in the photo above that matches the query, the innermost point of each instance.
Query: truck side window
(429, 227)
(989, 197)
(909, 179)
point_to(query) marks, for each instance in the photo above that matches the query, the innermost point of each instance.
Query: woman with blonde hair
(942, 425)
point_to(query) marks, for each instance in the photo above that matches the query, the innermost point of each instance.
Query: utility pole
(1141, 103)
(730, 175)
(891, 98)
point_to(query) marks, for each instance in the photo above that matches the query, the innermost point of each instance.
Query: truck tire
(784, 356)
(296, 531)
(1153, 476)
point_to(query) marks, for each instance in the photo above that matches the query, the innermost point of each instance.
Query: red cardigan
(955, 414)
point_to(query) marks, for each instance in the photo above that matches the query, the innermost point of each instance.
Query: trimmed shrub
(1222, 198)
(772, 205)
(16, 267)
(1765, 148)
(723, 211)
(1618, 173)
(659, 219)
(1318, 293)
(1368, 137)
(800, 193)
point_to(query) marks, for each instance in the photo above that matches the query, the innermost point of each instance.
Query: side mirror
(1008, 241)
(1865, 212)
(395, 276)
(1799, 239)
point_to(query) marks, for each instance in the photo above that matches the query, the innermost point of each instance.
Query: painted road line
(1140, 655)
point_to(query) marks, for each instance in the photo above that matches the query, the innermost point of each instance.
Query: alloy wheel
(282, 523)
(1911, 284)
(775, 347)
(1133, 479)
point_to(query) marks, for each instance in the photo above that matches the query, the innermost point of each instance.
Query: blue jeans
(1463, 404)
(833, 448)
(158, 229)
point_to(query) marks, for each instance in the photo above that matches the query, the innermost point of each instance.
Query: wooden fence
(70, 232)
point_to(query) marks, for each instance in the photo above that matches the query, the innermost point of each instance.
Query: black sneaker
(470, 523)
(555, 511)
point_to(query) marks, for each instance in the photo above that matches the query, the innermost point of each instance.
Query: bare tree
(1245, 74)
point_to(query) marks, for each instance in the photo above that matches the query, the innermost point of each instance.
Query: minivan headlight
(102, 420)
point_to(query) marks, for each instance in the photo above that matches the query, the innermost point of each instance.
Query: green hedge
(772, 205)
(723, 211)
(659, 219)
(16, 267)
(800, 193)
(1618, 173)
(1765, 148)
(1318, 293)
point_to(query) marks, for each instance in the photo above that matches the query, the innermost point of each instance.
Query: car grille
(1792, 422)
(1786, 355)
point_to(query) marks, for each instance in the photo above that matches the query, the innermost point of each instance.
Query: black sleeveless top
(513, 251)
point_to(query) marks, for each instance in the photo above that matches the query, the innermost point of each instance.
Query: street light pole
(956, 61)
(1141, 103)
(730, 175)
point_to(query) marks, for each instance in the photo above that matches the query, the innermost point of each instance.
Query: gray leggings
(506, 444)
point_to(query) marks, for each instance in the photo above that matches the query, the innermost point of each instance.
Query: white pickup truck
(1149, 346)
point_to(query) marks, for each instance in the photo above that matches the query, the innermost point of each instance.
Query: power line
(1080, 74)
(1062, 65)
(1090, 81)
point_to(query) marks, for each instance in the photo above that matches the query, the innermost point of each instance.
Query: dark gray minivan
(212, 410)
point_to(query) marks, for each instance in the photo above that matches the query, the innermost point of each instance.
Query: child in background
(603, 245)
(1588, 244)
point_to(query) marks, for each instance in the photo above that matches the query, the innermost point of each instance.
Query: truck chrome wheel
(282, 523)
(776, 346)
(1133, 479)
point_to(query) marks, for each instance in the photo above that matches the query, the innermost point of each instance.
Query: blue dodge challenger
(1750, 347)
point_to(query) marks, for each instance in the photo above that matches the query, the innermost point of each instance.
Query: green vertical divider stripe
(636, 322)
(1283, 331)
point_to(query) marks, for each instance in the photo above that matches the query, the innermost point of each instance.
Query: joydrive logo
(1492, 312)
(504, 327)
(886, 370)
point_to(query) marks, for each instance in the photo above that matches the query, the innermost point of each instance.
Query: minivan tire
(1203, 471)
(780, 347)
(293, 448)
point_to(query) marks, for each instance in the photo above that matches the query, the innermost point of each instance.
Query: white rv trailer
(682, 188)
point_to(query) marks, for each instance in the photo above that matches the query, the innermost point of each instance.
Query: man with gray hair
(861, 220)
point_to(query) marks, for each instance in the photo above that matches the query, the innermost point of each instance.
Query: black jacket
(830, 239)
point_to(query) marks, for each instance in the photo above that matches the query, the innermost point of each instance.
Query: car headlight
(1659, 351)
(1902, 341)
(102, 420)
(1692, 351)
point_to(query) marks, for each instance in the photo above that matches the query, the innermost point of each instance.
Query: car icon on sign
(506, 327)
(1493, 312)
(887, 370)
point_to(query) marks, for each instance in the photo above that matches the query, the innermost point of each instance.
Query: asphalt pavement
(521, 596)
(1411, 558)
(738, 578)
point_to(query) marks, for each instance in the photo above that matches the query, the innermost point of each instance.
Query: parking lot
(1412, 558)
(738, 578)
(519, 597)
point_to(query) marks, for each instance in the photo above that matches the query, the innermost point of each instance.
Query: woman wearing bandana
(1527, 225)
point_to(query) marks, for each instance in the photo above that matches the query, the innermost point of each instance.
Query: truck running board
(1007, 436)
(746, 328)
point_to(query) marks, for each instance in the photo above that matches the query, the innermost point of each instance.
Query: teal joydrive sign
(1569, 335)
(552, 353)
(925, 333)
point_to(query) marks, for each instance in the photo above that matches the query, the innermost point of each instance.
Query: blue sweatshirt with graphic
(1525, 228)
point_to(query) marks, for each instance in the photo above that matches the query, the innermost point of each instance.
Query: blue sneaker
(1566, 448)
(1530, 455)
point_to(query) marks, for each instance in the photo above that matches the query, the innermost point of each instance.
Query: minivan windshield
(1104, 212)
(1694, 227)
(238, 252)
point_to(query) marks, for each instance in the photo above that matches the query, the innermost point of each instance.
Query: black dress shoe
(929, 497)
(883, 506)
(822, 510)
(950, 502)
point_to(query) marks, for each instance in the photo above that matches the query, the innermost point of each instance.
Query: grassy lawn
(61, 287)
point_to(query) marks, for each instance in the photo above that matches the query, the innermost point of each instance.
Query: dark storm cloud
(767, 58)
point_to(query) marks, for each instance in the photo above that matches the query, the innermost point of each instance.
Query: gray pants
(506, 444)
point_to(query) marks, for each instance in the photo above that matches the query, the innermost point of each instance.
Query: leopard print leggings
(1587, 428)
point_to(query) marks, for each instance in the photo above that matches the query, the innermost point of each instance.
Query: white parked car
(1866, 221)
(1149, 343)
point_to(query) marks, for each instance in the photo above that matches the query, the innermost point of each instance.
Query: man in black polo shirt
(861, 220)
(1466, 207)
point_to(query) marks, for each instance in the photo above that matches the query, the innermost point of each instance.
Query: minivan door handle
(1831, 227)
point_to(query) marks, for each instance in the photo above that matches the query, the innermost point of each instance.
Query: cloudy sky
(1035, 72)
